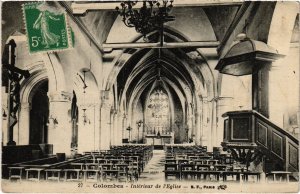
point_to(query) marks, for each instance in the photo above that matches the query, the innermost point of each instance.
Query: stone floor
(154, 170)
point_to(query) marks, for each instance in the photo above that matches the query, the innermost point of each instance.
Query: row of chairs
(120, 163)
(105, 165)
(195, 163)
(186, 171)
(196, 153)
(133, 155)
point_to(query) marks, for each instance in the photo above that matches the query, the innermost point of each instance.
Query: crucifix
(14, 76)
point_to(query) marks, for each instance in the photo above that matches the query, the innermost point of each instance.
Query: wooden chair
(171, 170)
(15, 173)
(108, 172)
(279, 176)
(172, 161)
(247, 174)
(200, 162)
(91, 174)
(201, 169)
(101, 161)
(53, 174)
(220, 167)
(212, 162)
(78, 165)
(235, 175)
(73, 174)
(122, 172)
(34, 174)
(170, 157)
(211, 175)
(133, 173)
(182, 161)
(92, 167)
(187, 171)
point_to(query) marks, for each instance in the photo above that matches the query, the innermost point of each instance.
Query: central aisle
(154, 170)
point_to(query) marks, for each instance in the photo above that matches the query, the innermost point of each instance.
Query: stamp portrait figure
(42, 23)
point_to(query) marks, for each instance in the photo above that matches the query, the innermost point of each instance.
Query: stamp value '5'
(46, 27)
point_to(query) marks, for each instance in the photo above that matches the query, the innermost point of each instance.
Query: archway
(185, 73)
(39, 113)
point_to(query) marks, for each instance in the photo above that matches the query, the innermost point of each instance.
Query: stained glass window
(158, 111)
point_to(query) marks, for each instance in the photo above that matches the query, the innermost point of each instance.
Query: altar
(159, 139)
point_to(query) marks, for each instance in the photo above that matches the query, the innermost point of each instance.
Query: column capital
(104, 98)
(204, 98)
(113, 111)
(104, 94)
(60, 96)
(89, 105)
(224, 97)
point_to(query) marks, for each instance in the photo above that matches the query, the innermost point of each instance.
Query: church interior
(154, 90)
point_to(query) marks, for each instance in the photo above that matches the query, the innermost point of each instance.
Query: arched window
(158, 110)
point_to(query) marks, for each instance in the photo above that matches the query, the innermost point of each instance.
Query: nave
(189, 91)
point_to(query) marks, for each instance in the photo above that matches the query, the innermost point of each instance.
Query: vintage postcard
(153, 96)
(46, 28)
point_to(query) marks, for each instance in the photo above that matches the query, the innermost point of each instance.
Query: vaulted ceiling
(218, 17)
(141, 70)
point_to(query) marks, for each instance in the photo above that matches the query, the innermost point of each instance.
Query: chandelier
(151, 16)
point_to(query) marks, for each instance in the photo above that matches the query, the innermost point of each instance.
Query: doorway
(39, 114)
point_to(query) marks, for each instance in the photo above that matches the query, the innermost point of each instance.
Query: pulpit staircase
(249, 135)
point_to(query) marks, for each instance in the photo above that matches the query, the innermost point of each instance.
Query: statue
(14, 75)
(14, 92)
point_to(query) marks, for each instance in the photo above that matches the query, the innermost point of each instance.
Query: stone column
(191, 127)
(224, 104)
(197, 128)
(260, 89)
(97, 125)
(105, 135)
(206, 132)
(213, 123)
(60, 126)
(118, 120)
(124, 126)
(200, 123)
(112, 126)
(88, 133)
(24, 124)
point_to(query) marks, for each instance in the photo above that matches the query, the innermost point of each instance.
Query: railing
(252, 129)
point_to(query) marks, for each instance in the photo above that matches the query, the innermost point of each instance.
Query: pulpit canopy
(244, 57)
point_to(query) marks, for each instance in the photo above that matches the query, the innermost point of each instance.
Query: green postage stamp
(46, 27)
